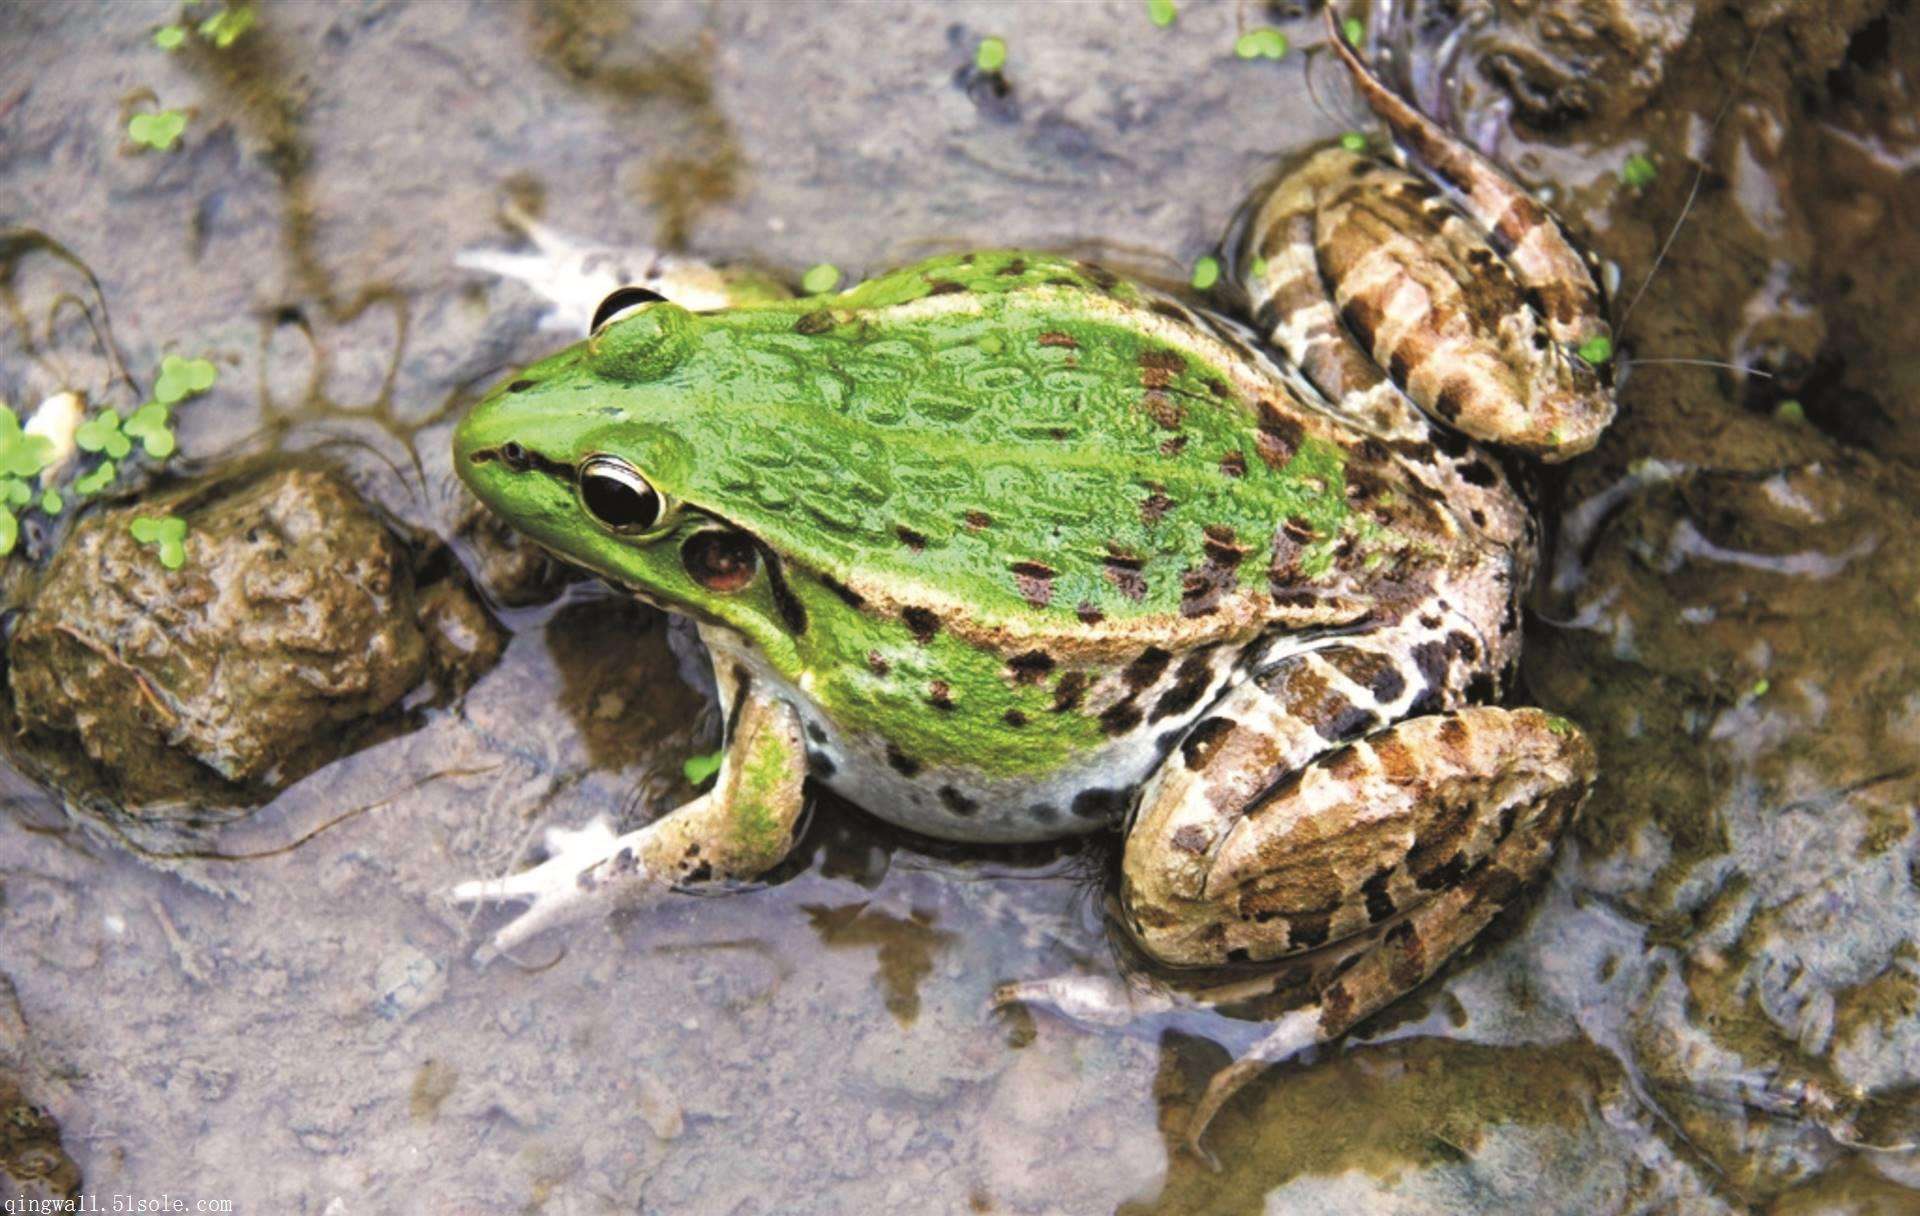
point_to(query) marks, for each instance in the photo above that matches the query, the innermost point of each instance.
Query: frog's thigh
(745, 825)
(1418, 822)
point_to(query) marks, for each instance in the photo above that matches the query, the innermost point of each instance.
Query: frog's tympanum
(1002, 547)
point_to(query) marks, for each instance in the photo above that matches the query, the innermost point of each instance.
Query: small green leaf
(991, 55)
(24, 455)
(1790, 410)
(1206, 272)
(1354, 30)
(167, 533)
(52, 503)
(699, 768)
(1638, 171)
(14, 492)
(1161, 12)
(149, 426)
(1259, 268)
(157, 130)
(1596, 350)
(225, 27)
(101, 433)
(182, 378)
(96, 481)
(1261, 43)
(1760, 687)
(1354, 141)
(9, 532)
(170, 37)
(820, 279)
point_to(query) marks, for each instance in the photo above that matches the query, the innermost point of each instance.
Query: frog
(1004, 546)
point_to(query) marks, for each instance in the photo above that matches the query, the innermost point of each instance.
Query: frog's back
(1032, 449)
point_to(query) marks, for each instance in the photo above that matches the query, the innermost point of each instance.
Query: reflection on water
(1713, 1000)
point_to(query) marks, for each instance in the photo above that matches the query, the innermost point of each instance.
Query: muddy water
(282, 1014)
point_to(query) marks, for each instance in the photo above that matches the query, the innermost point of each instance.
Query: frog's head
(593, 452)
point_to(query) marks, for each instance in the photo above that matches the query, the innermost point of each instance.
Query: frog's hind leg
(1382, 858)
(736, 831)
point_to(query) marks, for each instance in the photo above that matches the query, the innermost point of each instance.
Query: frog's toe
(1290, 1035)
(1094, 1000)
(581, 861)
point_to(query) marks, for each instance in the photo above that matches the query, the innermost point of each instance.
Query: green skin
(885, 446)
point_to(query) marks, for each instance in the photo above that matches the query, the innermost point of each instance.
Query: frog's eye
(623, 301)
(615, 494)
(722, 560)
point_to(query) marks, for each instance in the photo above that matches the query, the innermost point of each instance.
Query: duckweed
(1354, 141)
(1790, 410)
(158, 130)
(1264, 42)
(1353, 30)
(1161, 12)
(1596, 350)
(149, 426)
(101, 433)
(170, 37)
(88, 485)
(1206, 272)
(182, 378)
(820, 279)
(224, 28)
(699, 769)
(166, 533)
(1638, 171)
(991, 55)
(21, 454)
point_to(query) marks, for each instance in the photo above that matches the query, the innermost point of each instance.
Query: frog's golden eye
(623, 301)
(615, 494)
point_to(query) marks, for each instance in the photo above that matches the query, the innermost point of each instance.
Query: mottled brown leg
(1399, 850)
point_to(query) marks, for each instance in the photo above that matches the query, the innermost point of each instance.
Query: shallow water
(294, 1024)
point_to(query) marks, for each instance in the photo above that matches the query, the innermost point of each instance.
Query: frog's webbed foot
(1373, 864)
(574, 277)
(738, 830)
(582, 867)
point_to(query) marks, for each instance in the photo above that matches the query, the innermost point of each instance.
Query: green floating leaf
(157, 130)
(183, 378)
(1259, 268)
(149, 426)
(820, 279)
(225, 27)
(14, 492)
(991, 55)
(1760, 687)
(96, 481)
(1263, 43)
(170, 37)
(1790, 410)
(1638, 171)
(9, 532)
(1353, 30)
(167, 533)
(1596, 350)
(1161, 12)
(52, 503)
(699, 768)
(1354, 141)
(101, 433)
(1206, 272)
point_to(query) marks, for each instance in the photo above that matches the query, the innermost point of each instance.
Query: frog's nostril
(519, 386)
(515, 457)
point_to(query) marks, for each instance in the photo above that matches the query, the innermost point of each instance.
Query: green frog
(1005, 547)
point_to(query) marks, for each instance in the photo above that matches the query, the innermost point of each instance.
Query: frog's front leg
(1390, 853)
(738, 830)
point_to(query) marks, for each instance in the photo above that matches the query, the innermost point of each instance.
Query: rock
(33, 1164)
(292, 626)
